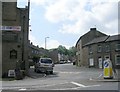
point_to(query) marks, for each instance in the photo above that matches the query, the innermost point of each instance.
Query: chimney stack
(92, 29)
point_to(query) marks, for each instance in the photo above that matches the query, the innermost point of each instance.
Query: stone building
(95, 51)
(81, 53)
(15, 28)
(0, 39)
(53, 54)
(35, 53)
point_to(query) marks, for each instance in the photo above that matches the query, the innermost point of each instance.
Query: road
(65, 77)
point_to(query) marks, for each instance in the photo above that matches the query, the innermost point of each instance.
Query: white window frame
(116, 59)
(99, 49)
(107, 48)
(117, 45)
(90, 50)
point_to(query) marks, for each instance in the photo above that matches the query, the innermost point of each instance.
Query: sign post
(108, 74)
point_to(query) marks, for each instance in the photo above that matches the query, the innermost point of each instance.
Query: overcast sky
(64, 21)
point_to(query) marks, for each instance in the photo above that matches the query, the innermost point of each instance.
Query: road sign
(107, 69)
(106, 64)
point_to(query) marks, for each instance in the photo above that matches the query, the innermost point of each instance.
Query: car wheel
(34, 70)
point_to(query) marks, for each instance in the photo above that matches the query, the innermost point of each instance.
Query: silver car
(44, 65)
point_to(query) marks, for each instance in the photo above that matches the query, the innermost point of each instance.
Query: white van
(44, 65)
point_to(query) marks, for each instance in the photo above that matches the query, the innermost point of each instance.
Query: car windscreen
(46, 61)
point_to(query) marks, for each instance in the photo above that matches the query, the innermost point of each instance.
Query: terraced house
(15, 28)
(94, 47)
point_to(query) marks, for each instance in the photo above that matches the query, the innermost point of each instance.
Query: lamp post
(46, 41)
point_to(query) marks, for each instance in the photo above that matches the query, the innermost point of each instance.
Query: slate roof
(97, 40)
(113, 38)
(104, 39)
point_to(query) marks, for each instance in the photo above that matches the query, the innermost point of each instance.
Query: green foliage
(71, 51)
(62, 50)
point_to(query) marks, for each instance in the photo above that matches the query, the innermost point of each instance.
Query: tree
(62, 50)
(72, 51)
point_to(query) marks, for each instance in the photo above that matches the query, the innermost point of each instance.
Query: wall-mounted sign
(11, 28)
(13, 54)
(11, 73)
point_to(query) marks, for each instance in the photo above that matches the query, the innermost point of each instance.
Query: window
(32, 51)
(117, 59)
(99, 48)
(107, 48)
(78, 47)
(118, 46)
(46, 61)
(90, 50)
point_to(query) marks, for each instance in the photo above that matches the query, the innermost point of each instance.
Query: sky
(64, 21)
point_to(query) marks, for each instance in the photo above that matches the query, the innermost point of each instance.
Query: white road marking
(54, 84)
(69, 72)
(10, 88)
(75, 88)
(67, 88)
(22, 89)
(80, 85)
(93, 86)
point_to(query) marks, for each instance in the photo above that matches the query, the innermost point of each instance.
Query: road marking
(80, 85)
(69, 72)
(3, 88)
(66, 88)
(75, 88)
(54, 84)
(93, 86)
(22, 89)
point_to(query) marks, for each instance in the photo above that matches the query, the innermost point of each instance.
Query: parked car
(68, 61)
(44, 65)
(62, 61)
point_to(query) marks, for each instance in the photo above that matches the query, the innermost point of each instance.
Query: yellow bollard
(108, 72)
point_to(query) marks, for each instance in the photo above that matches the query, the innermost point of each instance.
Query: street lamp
(46, 41)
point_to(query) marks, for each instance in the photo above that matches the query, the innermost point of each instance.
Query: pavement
(101, 78)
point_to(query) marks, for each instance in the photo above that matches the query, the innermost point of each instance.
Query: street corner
(102, 79)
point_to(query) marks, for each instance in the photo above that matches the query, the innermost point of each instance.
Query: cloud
(53, 44)
(78, 16)
(33, 39)
(81, 15)
(49, 44)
